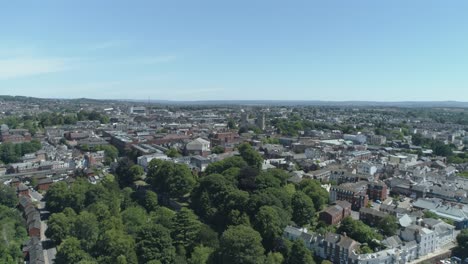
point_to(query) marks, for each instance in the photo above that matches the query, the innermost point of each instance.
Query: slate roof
(392, 242)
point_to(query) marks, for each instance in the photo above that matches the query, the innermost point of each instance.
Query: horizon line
(242, 100)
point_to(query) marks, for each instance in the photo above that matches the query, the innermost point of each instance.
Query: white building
(198, 146)
(366, 168)
(138, 110)
(419, 241)
(427, 239)
(145, 160)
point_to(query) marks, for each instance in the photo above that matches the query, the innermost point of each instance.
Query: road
(441, 251)
(33, 173)
(49, 253)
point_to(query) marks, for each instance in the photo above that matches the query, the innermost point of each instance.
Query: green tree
(214, 199)
(462, 248)
(314, 190)
(241, 244)
(223, 165)
(134, 218)
(111, 153)
(173, 153)
(57, 196)
(172, 178)
(77, 194)
(430, 214)
(163, 216)
(303, 208)
(154, 242)
(8, 196)
(124, 176)
(217, 150)
(200, 255)
(70, 252)
(186, 229)
(114, 244)
(100, 210)
(250, 155)
(274, 178)
(274, 258)
(441, 149)
(58, 227)
(151, 201)
(388, 225)
(366, 250)
(13, 235)
(86, 229)
(358, 231)
(231, 124)
(268, 223)
(300, 254)
(136, 171)
(207, 237)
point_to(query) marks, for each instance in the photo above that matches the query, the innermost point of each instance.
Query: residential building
(145, 160)
(335, 213)
(377, 191)
(198, 146)
(354, 193)
(366, 168)
(370, 216)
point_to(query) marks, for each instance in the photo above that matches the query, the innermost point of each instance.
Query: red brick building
(227, 140)
(371, 216)
(354, 193)
(44, 184)
(377, 191)
(22, 189)
(335, 213)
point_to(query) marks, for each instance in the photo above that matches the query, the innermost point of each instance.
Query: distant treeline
(33, 123)
(10, 153)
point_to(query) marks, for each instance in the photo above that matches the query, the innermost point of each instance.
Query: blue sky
(243, 49)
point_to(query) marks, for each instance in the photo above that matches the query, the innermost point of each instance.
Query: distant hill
(454, 104)
(416, 104)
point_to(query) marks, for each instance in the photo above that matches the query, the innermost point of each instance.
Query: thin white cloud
(106, 45)
(155, 60)
(24, 67)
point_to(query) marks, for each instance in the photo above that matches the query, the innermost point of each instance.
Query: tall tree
(150, 201)
(303, 208)
(172, 178)
(113, 244)
(222, 165)
(8, 196)
(200, 255)
(70, 252)
(388, 225)
(56, 197)
(314, 190)
(186, 229)
(268, 223)
(241, 244)
(136, 171)
(300, 254)
(86, 229)
(154, 242)
(134, 218)
(250, 155)
(274, 258)
(58, 227)
(123, 173)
